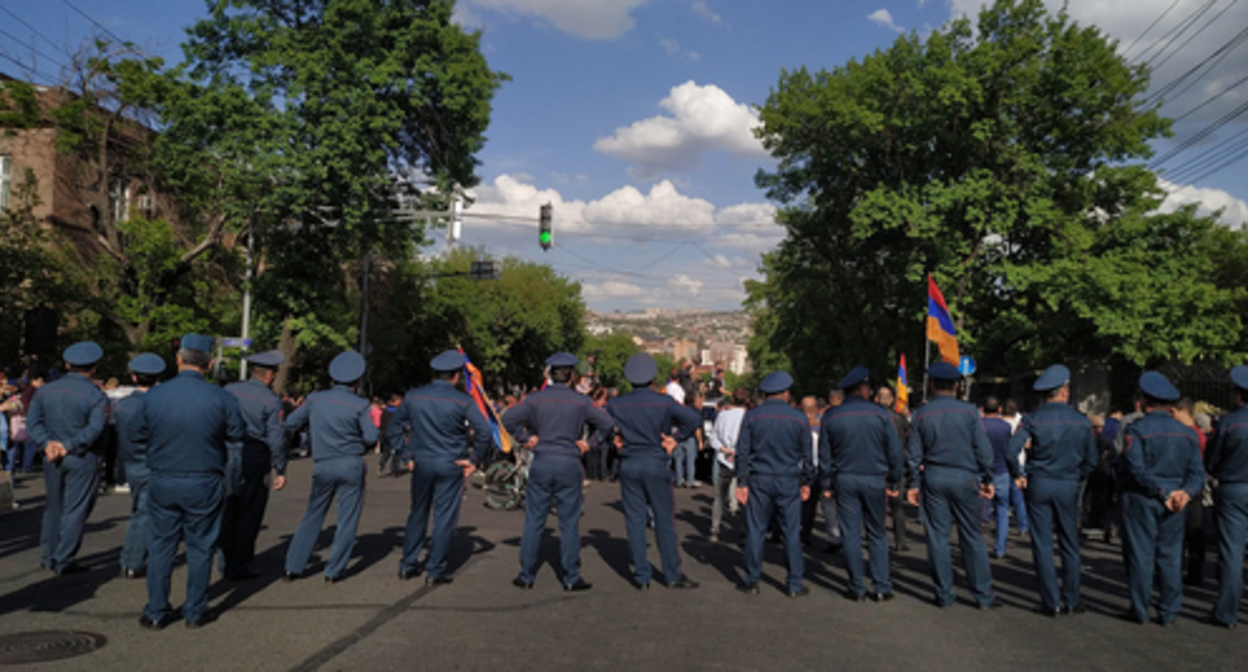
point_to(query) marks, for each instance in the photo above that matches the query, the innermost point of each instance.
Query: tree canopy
(1006, 159)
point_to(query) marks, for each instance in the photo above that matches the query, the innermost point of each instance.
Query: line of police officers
(198, 459)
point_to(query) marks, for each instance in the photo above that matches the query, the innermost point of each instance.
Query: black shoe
(195, 625)
(71, 568)
(1075, 610)
(153, 625)
(684, 583)
(333, 579)
(883, 597)
(245, 575)
(641, 587)
(522, 584)
(439, 580)
(287, 577)
(1131, 617)
(832, 548)
(995, 603)
(1210, 620)
(1045, 611)
(1165, 623)
(800, 592)
(580, 586)
(127, 573)
(748, 588)
(408, 574)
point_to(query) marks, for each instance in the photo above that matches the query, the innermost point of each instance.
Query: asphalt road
(374, 621)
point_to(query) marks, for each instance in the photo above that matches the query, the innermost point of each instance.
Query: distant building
(685, 350)
(740, 362)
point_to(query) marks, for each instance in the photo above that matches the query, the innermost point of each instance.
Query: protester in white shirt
(724, 441)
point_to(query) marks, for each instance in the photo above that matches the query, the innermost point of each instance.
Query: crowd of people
(199, 461)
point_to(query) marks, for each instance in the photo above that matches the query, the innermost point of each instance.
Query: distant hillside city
(705, 337)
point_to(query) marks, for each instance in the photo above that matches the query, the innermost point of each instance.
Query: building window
(119, 199)
(6, 179)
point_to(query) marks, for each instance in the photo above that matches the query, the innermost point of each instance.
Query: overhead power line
(1210, 22)
(1214, 58)
(36, 32)
(97, 24)
(1173, 34)
(31, 47)
(1151, 26)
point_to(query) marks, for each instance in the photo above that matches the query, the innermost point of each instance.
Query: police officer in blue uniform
(263, 450)
(555, 419)
(144, 372)
(438, 418)
(645, 418)
(65, 420)
(1161, 458)
(1062, 452)
(774, 472)
(187, 424)
(860, 456)
(949, 454)
(1227, 461)
(341, 429)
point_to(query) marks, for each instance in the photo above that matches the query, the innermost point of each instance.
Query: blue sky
(633, 117)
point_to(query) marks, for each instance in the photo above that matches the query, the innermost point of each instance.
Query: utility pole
(251, 243)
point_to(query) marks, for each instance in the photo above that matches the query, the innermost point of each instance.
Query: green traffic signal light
(545, 237)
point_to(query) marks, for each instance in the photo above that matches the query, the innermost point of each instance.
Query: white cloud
(1234, 210)
(611, 289)
(463, 16)
(589, 19)
(672, 48)
(682, 282)
(703, 10)
(884, 19)
(703, 119)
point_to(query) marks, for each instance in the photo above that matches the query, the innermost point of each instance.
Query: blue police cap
(640, 369)
(1158, 387)
(451, 360)
(562, 360)
(84, 353)
(944, 371)
(347, 367)
(775, 383)
(1053, 377)
(854, 378)
(269, 359)
(148, 364)
(1239, 377)
(196, 343)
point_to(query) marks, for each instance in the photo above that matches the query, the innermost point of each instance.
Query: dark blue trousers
(647, 482)
(782, 496)
(70, 485)
(951, 497)
(244, 513)
(860, 505)
(553, 479)
(1231, 512)
(182, 507)
(134, 549)
(341, 478)
(1153, 542)
(1053, 505)
(437, 486)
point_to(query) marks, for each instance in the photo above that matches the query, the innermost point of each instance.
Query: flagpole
(927, 359)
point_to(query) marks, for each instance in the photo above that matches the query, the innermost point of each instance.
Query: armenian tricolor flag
(903, 387)
(940, 329)
(476, 387)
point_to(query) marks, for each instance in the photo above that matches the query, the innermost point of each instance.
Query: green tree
(337, 112)
(1005, 160)
(613, 351)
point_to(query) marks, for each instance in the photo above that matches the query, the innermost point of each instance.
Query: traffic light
(546, 235)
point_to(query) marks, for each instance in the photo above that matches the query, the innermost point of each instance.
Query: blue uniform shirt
(557, 415)
(70, 410)
(1162, 455)
(775, 440)
(947, 433)
(644, 415)
(187, 424)
(998, 432)
(1227, 455)
(859, 437)
(1063, 444)
(124, 416)
(262, 413)
(438, 417)
(340, 423)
